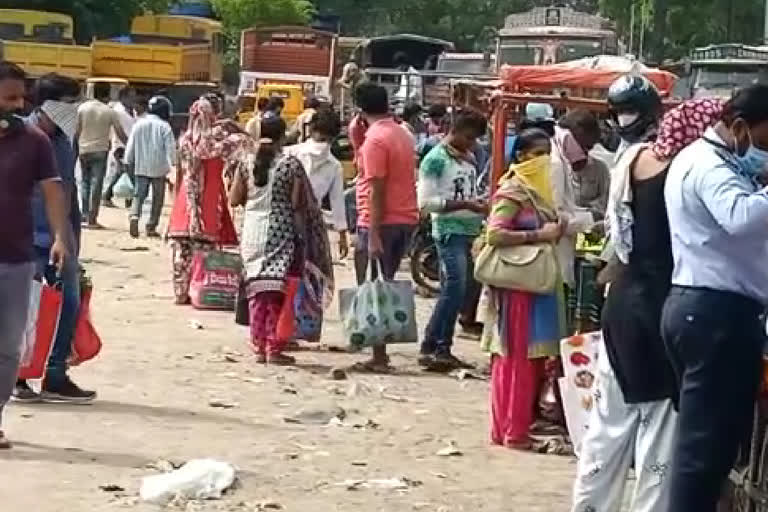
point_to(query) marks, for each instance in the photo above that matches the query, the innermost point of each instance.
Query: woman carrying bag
(524, 313)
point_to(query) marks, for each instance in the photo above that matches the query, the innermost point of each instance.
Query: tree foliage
(673, 27)
(241, 14)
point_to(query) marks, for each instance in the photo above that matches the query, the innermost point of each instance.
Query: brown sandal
(371, 367)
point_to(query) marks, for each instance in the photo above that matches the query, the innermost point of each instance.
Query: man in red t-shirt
(387, 207)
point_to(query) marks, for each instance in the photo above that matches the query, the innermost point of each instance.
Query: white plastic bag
(123, 188)
(198, 479)
(378, 312)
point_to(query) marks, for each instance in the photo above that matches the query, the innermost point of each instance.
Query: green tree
(676, 26)
(237, 15)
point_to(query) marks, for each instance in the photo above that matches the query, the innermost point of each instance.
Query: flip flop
(370, 367)
(5, 444)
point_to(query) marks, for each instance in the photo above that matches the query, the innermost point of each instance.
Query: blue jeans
(454, 254)
(93, 167)
(62, 345)
(141, 186)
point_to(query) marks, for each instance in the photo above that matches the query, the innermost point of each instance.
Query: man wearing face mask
(576, 134)
(324, 170)
(56, 115)
(636, 108)
(718, 216)
(27, 159)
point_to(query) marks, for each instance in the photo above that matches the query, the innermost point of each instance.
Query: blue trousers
(454, 253)
(62, 345)
(715, 343)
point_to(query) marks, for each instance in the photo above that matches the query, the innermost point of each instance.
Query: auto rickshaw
(292, 96)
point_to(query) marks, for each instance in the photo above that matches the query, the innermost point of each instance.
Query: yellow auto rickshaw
(292, 96)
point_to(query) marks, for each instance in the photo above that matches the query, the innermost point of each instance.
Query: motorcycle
(425, 266)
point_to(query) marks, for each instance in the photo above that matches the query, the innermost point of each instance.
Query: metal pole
(632, 26)
(765, 30)
(642, 32)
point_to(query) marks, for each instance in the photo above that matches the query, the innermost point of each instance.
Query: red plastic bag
(286, 323)
(42, 324)
(86, 343)
(215, 279)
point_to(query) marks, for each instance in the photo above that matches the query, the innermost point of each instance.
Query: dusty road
(158, 374)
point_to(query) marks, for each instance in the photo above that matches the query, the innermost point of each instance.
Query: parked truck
(287, 55)
(163, 49)
(42, 42)
(718, 70)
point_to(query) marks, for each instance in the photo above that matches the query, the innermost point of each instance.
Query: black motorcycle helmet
(635, 95)
(161, 107)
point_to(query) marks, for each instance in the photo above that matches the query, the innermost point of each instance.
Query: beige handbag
(529, 268)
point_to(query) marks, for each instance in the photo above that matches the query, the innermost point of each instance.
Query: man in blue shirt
(55, 114)
(718, 218)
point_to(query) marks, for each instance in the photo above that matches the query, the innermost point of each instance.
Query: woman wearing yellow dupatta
(522, 329)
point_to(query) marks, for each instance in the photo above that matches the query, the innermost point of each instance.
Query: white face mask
(627, 119)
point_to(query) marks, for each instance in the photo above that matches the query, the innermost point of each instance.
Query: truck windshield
(462, 65)
(726, 78)
(578, 49)
(520, 54)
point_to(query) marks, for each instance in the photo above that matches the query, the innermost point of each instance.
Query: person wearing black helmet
(151, 151)
(636, 108)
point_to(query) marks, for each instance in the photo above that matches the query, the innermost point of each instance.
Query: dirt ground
(159, 373)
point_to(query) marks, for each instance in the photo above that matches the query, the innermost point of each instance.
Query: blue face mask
(754, 161)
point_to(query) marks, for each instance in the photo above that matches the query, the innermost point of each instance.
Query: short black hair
(411, 110)
(400, 59)
(275, 103)
(437, 110)
(529, 138)
(372, 99)
(261, 104)
(312, 102)
(125, 93)
(142, 101)
(470, 121)
(546, 125)
(102, 90)
(326, 122)
(749, 104)
(54, 87)
(11, 71)
(582, 119)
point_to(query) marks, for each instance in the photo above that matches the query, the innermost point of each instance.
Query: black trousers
(715, 342)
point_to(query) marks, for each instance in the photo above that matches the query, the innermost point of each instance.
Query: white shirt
(96, 121)
(151, 147)
(326, 176)
(718, 220)
(410, 87)
(126, 121)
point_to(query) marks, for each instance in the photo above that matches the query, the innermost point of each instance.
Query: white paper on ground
(198, 479)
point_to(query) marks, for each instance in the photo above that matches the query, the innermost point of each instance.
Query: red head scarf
(684, 124)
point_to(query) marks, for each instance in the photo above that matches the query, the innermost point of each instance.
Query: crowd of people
(683, 209)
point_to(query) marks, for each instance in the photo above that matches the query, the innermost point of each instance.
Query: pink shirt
(387, 153)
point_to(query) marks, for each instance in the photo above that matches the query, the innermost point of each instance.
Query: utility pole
(632, 26)
(765, 26)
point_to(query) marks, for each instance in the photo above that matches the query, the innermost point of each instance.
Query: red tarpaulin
(532, 78)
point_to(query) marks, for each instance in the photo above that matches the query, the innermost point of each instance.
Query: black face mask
(10, 121)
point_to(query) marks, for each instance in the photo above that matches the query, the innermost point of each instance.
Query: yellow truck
(163, 49)
(42, 42)
(151, 63)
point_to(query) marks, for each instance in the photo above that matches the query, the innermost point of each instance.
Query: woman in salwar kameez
(284, 238)
(201, 219)
(522, 330)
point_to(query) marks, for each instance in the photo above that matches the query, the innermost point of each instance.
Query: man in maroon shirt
(26, 158)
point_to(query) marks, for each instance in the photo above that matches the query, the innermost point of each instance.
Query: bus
(548, 35)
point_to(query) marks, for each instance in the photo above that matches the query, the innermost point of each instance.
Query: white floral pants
(618, 434)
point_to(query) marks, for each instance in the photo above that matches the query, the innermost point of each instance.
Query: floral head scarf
(684, 124)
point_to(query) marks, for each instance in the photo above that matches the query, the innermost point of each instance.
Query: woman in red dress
(201, 219)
